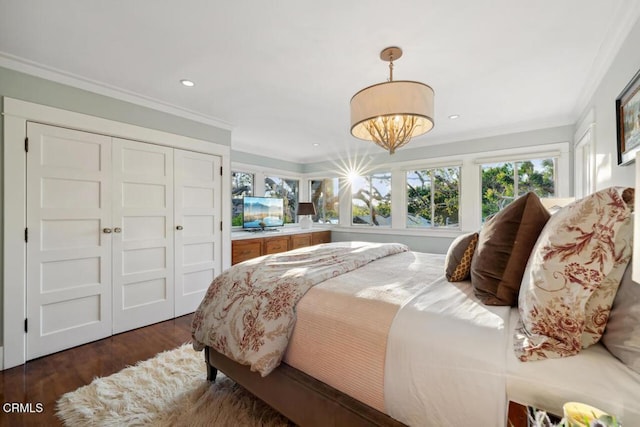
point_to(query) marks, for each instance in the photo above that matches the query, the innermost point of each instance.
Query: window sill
(364, 229)
(368, 229)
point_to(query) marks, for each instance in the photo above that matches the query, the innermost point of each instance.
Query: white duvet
(446, 359)
(450, 361)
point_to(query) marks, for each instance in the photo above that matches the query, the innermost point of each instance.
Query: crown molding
(626, 16)
(53, 74)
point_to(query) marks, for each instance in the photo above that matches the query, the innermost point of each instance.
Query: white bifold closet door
(68, 254)
(197, 217)
(121, 234)
(143, 287)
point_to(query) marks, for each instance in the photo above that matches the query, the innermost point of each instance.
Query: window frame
(296, 200)
(584, 157)
(337, 195)
(253, 181)
(433, 207)
(370, 176)
(554, 156)
(259, 175)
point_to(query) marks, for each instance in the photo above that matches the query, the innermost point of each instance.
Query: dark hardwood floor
(45, 379)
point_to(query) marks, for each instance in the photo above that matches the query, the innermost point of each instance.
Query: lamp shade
(306, 208)
(393, 100)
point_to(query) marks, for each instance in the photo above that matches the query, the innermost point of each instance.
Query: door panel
(68, 256)
(143, 283)
(197, 235)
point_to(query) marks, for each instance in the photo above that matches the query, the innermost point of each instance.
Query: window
(288, 190)
(325, 197)
(433, 197)
(584, 165)
(505, 181)
(241, 185)
(371, 199)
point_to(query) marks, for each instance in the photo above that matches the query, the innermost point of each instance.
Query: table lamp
(305, 209)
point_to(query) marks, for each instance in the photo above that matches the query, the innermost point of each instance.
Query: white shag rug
(170, 389)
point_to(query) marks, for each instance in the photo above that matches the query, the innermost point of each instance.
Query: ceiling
(280, 73)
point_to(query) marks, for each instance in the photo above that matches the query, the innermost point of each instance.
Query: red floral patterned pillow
(572, 275)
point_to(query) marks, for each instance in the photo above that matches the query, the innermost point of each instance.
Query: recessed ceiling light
(454, 116)
(315, 144)
(187, 83)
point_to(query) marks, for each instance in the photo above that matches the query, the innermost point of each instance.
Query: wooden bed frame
(298, 396)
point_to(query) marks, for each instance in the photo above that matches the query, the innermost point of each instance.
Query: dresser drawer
(242, 250)
(273, 245)
(300, 240)
(321, 237)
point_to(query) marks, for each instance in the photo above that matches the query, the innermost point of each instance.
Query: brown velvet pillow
(622, 335)
(457, 264)
(503, 249)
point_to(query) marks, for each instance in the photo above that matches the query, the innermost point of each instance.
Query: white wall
(624, 66)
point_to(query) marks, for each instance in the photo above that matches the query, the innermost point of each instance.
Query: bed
(390, 340)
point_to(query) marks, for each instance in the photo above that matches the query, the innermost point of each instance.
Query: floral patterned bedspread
(248, 312)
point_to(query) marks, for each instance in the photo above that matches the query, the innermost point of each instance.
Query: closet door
(197, 234)
(143, 273)
(68, 253)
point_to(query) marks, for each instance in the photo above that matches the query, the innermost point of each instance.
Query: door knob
(106, 230)
(117, 230)
(178, 227)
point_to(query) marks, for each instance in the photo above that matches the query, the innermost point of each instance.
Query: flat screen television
(262, 212)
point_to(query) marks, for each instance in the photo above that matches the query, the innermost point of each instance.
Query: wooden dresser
(244, 248)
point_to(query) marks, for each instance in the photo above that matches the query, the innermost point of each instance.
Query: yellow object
(579, 415)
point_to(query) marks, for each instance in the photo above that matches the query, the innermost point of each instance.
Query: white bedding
(593, 376)
(449, 358)
(474, 373)
(445, 360)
